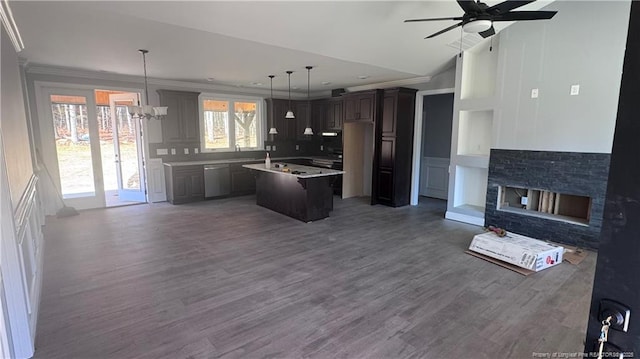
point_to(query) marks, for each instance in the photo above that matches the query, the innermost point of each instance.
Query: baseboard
(478, 221)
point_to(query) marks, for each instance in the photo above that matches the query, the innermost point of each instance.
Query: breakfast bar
(301, 192)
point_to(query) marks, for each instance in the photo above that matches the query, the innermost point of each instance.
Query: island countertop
(305, 171)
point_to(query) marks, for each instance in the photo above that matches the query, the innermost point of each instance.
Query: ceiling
(239, 43)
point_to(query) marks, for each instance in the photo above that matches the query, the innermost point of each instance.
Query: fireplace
(555, 196)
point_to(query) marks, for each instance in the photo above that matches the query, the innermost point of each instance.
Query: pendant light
(289, 113)
(272, 130)
(146, 110)
(308, 131)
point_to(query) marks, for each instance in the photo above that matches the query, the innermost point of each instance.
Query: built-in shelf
(470, 188)
(479, 71)
(474, 132)
(545, 204)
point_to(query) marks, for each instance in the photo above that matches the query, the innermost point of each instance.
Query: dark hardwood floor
(230, 279)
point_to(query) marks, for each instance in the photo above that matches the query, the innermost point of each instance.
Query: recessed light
(363, 77)
(326, 82)
(210, 79)
(256, 83)
(294, 87)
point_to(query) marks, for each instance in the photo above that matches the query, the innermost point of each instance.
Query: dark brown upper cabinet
(334, 115)
(360, 106)
(181, 124)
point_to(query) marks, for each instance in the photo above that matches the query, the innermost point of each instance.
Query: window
(228, 124)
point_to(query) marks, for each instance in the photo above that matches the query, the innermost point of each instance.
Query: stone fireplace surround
(583, 174)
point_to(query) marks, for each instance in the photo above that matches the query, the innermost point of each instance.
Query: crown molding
(6, 16)
(388, 84)
(38, 69)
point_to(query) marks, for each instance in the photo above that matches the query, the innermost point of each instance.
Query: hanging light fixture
(308, 131)
(272, 130)
(289, 113)
(147, 111)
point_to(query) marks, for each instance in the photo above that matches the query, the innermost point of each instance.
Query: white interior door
(127, 142)
(70, 145)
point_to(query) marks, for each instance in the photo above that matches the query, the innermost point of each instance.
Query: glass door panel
(73, 145)
(127, 148)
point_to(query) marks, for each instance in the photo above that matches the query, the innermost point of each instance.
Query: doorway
(92, 147)
(437, 119)
(121, 149)
(358, 159)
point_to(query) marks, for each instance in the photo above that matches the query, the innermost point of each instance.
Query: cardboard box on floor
(519, 253)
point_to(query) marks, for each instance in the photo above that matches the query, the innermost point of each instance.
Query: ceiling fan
(479, 18)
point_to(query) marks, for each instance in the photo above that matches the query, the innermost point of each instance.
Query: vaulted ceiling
(239, 43)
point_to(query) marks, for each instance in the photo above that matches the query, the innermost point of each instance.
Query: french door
(71, 145)
(128, 156)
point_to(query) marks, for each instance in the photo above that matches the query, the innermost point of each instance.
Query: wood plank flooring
(230, 279)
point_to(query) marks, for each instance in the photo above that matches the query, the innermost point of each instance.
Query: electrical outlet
(186, 151)
(575, 90)
(534, 93)
(297, 147)
(173, 151)
(267, 147)
(195, 150)
(321, 148)
(273, 148)
(524, 201)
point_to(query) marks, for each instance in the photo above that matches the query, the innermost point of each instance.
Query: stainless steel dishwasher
(216, 180)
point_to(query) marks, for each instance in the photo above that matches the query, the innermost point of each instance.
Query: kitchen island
(301, 192)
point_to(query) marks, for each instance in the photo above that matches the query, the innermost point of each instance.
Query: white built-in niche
(474, 133)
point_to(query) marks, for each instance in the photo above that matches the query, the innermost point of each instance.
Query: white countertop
(310, 172)
(229, 160)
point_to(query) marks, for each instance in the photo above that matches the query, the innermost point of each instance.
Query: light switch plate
(575, 90)
(186, 151)
(195, 150)
(173, 151)
(162, 151)
(273, 148)
(297, 147)
(321, 148)
(534, 93)
(267, 147)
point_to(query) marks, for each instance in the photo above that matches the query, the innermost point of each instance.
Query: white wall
(13, 121)
(583, 44)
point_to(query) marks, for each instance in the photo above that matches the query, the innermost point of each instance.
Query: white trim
(6, 16)
(465, 218)
(12, 276)
(388, 84)
(112, 76)
(417, 141)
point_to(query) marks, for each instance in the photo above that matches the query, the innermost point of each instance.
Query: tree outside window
(230, 124)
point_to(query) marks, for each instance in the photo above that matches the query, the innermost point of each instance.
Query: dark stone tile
(575, 173)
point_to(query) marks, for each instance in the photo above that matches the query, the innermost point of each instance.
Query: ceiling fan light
(289, 114)
(477, 26)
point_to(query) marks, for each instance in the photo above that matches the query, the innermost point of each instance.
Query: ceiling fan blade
(488, 33)
(444, 30)
(469, 6)
(504, 7)
(524, 15)
(435, 19)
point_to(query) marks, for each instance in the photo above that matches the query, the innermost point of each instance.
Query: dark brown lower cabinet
(242, 180)
(184, 183)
